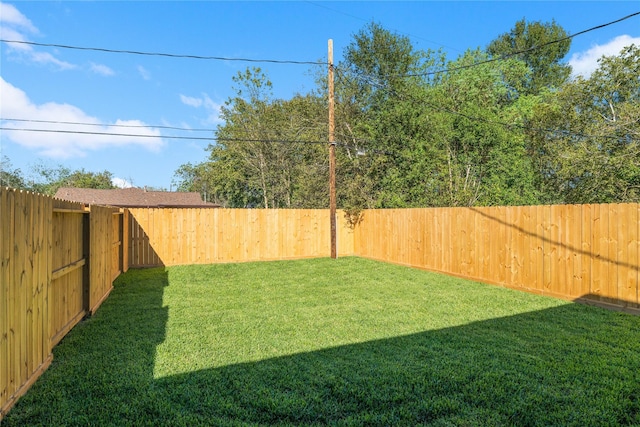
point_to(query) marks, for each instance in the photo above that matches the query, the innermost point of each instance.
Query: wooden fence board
(101, 253)
(627, 239)
(6, 242)
(578, 287)
(613, 287)
(633, 272)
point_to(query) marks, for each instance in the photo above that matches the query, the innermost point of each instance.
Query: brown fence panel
(173, 236)
(25, 271)
(569, 251)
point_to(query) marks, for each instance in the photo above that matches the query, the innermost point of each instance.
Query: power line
(216, 139)
(219, 139)
(168, 55)
(77, 132)
(106, 125)
(509, 126)
(520, 52)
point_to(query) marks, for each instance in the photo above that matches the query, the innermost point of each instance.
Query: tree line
(502, 125)
(493, 128)
(45, 179)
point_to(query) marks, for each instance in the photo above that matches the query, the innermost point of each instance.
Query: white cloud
(212, 108)
(121, 183)
(11, 34)
(61, 143)
(13, 26)
(144, 73)
(10, 15)
(585, 63)
(47, 58)
(101, 69)
(190, 101)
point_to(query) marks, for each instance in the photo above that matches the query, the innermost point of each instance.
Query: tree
(481, 158)
(431, 139)
(542, 57)
(10, 177)
(269, 151)
(377, 98)
(49, 179)
(588, 134)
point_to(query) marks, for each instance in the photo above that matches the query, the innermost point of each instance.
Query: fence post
(86, 269)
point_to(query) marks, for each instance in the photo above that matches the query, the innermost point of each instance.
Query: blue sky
(55, 84)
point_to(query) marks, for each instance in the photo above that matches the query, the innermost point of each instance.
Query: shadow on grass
(569, 365)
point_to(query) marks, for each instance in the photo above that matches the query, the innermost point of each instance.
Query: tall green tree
(269, 152)
(481, 158)
(543, 58)
(378, 92)
(587, 136)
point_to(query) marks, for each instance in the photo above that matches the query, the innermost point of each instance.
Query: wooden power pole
(332, 157)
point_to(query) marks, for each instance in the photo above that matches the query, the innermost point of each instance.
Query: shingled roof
(133, 198)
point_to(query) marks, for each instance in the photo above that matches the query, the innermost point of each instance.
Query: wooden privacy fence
(166, 236)
(57, 265)
(59, 260)
(569, 251)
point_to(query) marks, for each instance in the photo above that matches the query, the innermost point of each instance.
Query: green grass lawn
(336, 342)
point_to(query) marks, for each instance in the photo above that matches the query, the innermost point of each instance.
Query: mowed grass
(336, 342)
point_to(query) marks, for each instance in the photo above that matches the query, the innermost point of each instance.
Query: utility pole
(332, 157)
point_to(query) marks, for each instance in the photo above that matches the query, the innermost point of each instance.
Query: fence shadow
(141, 252)
(626, 285)
(475, 374)
(118, 348)
(559, 243)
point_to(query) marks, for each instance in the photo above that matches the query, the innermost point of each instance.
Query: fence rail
(56, 265)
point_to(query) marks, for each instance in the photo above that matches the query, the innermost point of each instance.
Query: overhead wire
(162, 54)
(105, 124)
(213, 138)
(565, 132)
(516, 53)
(145, 126)
(369, 79)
